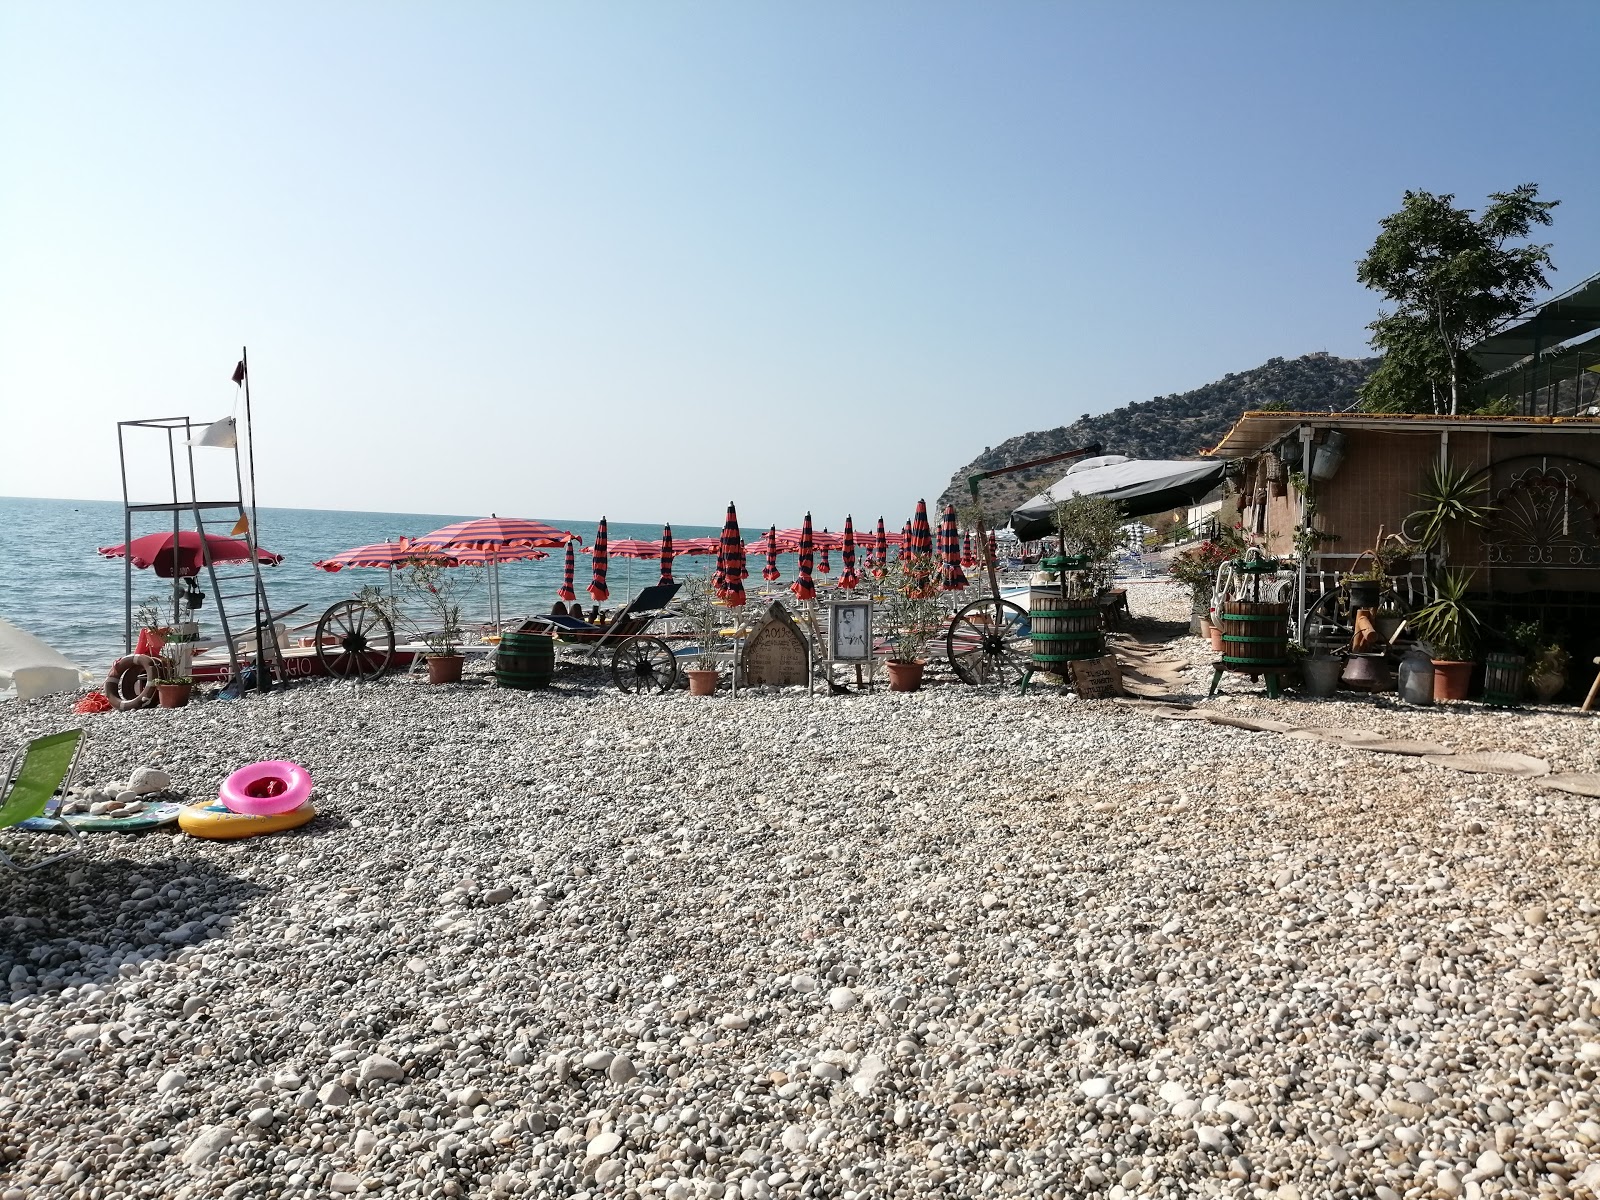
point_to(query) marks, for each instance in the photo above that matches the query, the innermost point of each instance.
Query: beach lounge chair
(37, 771)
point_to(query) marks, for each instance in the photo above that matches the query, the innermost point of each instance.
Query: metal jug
(1416, 677)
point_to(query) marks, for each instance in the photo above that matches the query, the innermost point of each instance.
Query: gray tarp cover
(1139, 486)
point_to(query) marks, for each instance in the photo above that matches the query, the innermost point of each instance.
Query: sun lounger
(43, 767)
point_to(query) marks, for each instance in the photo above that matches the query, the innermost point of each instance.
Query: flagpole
(250, 433)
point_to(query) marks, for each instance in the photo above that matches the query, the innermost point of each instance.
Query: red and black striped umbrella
(566, 592)
(904, 549)
(880, 554)
(602, 562)
(824, 567)
(380, 554)
(967, 559)
(803, 588)
(731, 561)
(993, 555)
(770, 571)
(848, 579)
(920, 538)
(492, 533)
(952, 577)
(666, 555)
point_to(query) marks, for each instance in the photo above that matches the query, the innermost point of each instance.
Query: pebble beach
(954, 943)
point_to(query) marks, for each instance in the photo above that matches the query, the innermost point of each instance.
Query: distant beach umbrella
(905, 542)
(770, 571)
(379, 554)
(567, 592)
(952, 577)
(848, 579)
(803, 587)
(730, 562)
(666, 556)
(602, 561)
(994, 556)
(921, 539)
(492, 532)
(880, 555)
(967, 559)
(824, 567)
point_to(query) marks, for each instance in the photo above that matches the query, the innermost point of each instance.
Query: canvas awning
(1570, 315)
(1138, 486)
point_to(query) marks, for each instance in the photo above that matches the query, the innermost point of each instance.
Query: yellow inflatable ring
(216, 821)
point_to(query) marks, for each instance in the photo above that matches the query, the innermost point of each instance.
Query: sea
(54, 585)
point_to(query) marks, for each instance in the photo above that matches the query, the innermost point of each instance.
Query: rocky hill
(1168, 426)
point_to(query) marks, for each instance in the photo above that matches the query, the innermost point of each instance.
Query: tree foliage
(1451, 278)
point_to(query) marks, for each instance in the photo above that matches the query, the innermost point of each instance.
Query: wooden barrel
(1065, 628)
(525, 660)
(1255, 633)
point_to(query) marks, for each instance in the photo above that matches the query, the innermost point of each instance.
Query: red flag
(238, 372)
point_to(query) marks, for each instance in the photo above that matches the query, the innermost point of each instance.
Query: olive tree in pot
(1450, 627)
(429, 583)
(911, 615)
(705, 619)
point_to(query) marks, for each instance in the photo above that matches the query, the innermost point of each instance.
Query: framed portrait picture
(850, 631)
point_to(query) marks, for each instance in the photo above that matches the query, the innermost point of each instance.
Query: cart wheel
(644, 664)
(362, 637)
(1330, 622)
(988, 642)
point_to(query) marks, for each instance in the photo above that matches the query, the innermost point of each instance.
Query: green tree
(1451, 278)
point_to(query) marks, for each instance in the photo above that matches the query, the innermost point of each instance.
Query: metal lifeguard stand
(240, 596)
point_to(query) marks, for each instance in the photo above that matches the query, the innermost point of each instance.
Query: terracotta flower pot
(445, 668)
(1547, 684)
(702, 682)
(905, 676)
(1217, 643)
(174, 695)
(1451, 680)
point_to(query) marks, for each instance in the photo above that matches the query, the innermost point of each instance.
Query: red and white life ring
(131, 682)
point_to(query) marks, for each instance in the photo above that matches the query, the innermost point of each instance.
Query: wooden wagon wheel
(988, 642)
(1330, 622)
(644, 664)
(361, 637)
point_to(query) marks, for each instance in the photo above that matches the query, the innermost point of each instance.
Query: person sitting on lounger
(559, 609)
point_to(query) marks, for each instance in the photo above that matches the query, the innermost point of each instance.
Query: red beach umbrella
(823, 566)
(993, 553)
(967, 559)
(952, 578)
(567, 591)
(602, 562)
(493, 533)
(731, 561)
(880, 555)
(184, 557)
(848, 579)
(905, 542)
(921, 550)
(378, 554)
(484, 558)
(666, 556)
(770, 571)
(803, 587)
(634, 548)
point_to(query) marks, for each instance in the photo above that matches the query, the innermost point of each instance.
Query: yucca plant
(1447, 622)
(1448, 495)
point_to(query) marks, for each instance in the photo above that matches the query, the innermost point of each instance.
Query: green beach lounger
(37, 772)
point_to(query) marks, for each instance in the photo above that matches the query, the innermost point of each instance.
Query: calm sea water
(54, 585)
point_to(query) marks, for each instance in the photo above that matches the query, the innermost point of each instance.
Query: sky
(561, 260)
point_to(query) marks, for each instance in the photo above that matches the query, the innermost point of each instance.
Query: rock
(126, 798)
(621, 1070)
(602, 1144)
(1534, 916)
(288, 1081)
(841, 999)
(597, 1060)
(1173, 1092)
(1448, 1182)
(261, 1118)
(609, 1170)
(148, 779)
(376, 1066)
(732, 1021)
(498, 895)
(1096, 1088)
(208, 1143)
(1490, 1164)
(333, 1096)
(364, 1144)
(172, 1081)
(343, 1183)
(795, 1138)
(866, 1074)
(804, 984)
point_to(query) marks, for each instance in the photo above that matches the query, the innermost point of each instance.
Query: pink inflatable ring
(265, 789)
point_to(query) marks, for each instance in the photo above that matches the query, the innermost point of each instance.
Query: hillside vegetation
(1177, 426)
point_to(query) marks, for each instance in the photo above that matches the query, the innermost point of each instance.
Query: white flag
(219, 433)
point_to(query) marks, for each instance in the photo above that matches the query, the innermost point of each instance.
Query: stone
(609, 1170)
(498, 895)
(621, 1070)
(343, 1182)
(1096, 1088)
(261, 1118)
(1172, 1092)
(208, 1143)
(602, 1144)
(148, 779)
(732, 1021)
(597, 1060)
(172, 1081)
(376, 1066)
(795, 1138)
(364, 1144)
(804, 984)
(841, 999)
(333, 1096)
(1490, 1164)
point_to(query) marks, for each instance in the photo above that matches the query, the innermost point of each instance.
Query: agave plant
(1448, 495)
(1447, 622)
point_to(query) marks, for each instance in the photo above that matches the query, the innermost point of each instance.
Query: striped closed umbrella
(848, 579)
(920, 537)
(952, 577)
(803, 587)
(731, 561)
(566, 592)
(967, 559)
(824, 567)
(905, 542)
(770, 571)
(880, 554)
(602, 563)
(993, 554)
(666, 556)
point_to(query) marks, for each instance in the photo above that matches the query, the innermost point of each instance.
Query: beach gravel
(954, 943)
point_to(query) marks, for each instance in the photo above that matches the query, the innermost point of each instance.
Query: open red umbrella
(803, 587)
(848, 579)
(666, 556)
(770, 571)
(183, 557)
(731, 561)
(880, 554)
(952, 578)
(378, 554)
(602, 562)
(967, 559)
(492, 532)
(567, 591)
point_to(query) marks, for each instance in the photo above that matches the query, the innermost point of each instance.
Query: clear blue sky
(561, 260)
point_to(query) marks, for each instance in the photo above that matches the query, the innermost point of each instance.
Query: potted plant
(174, 692)
(1366, 585)
(1197, 567)
(1449, 626)
(1395, 555)
(429, 582)
(1448, 497)
(152, 633)
(1547, 659)
(911, 615)
(705, 619)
